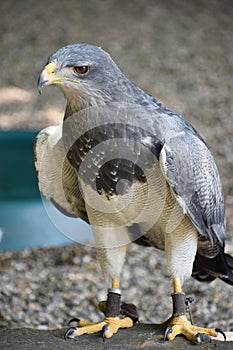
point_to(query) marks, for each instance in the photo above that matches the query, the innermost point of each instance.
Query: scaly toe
(180, 325)
(108, 326)
(113, 324)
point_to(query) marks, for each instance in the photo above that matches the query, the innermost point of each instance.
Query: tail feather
(206, 269)
(229, 264)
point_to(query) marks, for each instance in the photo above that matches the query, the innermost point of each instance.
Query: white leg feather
(180, 250)
(111, 254)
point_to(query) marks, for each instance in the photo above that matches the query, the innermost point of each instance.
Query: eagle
(137, 173)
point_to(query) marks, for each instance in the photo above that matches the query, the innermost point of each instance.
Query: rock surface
(141, 336)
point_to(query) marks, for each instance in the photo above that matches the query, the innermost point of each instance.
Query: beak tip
(41, 83)
(47, 76)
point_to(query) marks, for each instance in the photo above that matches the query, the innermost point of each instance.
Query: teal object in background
(17, 173)
(24, 221)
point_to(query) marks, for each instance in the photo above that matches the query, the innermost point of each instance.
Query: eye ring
(81, 70)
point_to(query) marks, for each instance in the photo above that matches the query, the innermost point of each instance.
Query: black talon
(104, 329)
(168, 330)
(74, 320)
(200, 338)
(69, 332)
(221, 332)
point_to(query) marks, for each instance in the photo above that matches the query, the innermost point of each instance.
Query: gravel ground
(44, 288)
(179, 51)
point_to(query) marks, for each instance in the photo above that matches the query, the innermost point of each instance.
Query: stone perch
(141, 336)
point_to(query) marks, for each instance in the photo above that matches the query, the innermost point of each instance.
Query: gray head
(86, 74)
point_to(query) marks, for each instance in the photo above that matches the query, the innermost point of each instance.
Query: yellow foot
(180, 325)
(108, 326)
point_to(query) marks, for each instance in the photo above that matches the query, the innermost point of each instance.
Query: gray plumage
(174, 156)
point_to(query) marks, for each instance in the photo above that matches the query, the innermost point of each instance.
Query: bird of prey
(136, 172)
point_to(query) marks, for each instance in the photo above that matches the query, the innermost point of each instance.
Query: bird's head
(86, 73)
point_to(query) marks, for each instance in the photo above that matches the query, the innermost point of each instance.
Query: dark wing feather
(106, 154)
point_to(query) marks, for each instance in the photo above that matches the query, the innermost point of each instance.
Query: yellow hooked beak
(49, 76)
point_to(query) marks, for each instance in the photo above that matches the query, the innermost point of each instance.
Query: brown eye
(81, 69)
